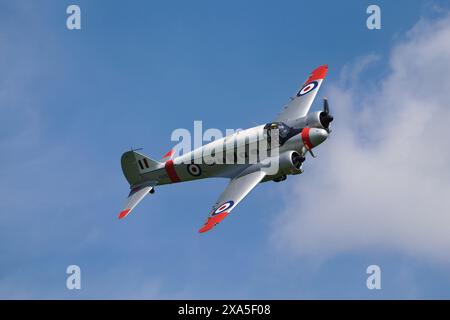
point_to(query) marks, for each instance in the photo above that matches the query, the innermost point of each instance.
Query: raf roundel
(223, 207)
(307, 88)
(194, 170)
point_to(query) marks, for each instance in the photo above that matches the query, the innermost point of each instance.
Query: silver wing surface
(236, 190)
(301, 103)
(136, 195)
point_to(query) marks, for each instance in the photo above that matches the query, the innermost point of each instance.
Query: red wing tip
(318, 73)
(322, 68)
(205, 228)
(212, 221)
(124, 213)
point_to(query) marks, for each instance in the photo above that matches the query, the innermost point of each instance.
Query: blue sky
(71, 102)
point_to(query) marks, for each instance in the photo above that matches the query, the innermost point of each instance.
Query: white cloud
(382, 181)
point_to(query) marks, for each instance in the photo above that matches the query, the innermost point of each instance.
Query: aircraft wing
(299, 105)
(236, 190)
(135, 196)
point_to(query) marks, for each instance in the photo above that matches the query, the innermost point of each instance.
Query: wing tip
(203, 230)
(318, 73)
(212, 221)
(124, 213)
(321, 68)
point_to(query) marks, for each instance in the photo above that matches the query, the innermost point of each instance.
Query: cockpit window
(284, 131)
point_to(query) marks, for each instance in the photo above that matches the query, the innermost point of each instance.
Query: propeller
(325, 116)
(297, 160)
(310, 152)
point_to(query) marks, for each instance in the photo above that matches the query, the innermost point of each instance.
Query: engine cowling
(318, 119)
(313, 120)
(312, 137)
(290, 162)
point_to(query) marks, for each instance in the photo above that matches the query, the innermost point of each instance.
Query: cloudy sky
(71, 102)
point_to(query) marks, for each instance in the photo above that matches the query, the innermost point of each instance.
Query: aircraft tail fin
(135, 164)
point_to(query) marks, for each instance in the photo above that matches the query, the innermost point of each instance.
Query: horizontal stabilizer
(136, 195)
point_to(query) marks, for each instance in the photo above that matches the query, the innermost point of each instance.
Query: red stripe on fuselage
(305, 138)
(170, 169)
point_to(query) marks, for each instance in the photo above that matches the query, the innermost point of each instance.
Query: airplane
(294, 133)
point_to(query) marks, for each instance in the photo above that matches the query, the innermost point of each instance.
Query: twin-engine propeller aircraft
(285, 142)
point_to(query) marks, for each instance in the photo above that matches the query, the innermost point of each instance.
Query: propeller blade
(325, 117)
(310, 152)
(326, 107)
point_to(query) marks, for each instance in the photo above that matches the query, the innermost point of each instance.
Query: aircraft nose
(317, 136)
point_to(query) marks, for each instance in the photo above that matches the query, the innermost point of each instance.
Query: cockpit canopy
(284, 131)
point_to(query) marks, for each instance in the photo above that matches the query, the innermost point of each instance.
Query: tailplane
(135, 196)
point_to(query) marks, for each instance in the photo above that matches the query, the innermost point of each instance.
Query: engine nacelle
(313, 120)
(290, 162)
